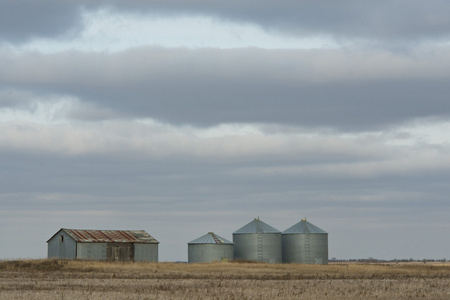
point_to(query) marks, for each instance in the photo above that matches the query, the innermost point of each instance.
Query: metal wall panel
(309, 248)
(52, 248)
(146, 252)
(198, 253)
(261, 247)
(91, 251)
(62, 246)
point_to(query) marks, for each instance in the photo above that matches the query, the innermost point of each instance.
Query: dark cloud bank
(390, 21)
(208, 87)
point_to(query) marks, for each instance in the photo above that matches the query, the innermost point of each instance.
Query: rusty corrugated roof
(110, 236)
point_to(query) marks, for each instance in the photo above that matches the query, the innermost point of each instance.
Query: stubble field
(59, 279)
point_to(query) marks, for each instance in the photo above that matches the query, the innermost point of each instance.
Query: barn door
(120, 252)
(115, 253)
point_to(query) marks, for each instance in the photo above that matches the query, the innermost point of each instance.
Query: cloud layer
(362, 20)
(348, 90)
(344, 121)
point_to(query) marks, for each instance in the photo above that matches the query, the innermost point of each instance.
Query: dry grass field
(59, 279)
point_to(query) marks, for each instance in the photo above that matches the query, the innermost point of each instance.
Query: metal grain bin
(258, 241)
(209, 248)
(305, 243)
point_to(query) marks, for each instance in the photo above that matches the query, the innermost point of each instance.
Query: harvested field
(58, 279)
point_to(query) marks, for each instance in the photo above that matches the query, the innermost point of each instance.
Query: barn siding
(65, 248)
(91, 251)
(146, 252)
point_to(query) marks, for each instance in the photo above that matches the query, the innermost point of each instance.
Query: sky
(185, 117)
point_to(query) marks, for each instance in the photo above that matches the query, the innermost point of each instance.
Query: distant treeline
(375, 260)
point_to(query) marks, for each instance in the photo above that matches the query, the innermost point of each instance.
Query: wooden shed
(110, 245)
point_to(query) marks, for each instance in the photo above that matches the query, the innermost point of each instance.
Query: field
(59, 279)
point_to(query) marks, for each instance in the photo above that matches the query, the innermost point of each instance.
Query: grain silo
(305, 243)
(257, 241)
(209, 248)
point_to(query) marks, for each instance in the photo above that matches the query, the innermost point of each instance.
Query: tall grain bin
(209, 248)
(305, 243)
(258, 241)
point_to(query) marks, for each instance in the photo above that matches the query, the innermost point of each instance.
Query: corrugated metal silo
(305, 243)
(209, 248)
(258, 241)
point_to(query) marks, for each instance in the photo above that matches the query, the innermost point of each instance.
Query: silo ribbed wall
(305, 248)
(198, 253)
(261, 247)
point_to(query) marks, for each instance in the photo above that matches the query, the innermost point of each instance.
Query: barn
(109, 245)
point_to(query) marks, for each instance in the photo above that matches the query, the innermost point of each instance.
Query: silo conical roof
(256, 226)
(303, 227)
(211, 238)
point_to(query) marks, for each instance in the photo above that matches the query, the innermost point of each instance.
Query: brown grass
(60, 279)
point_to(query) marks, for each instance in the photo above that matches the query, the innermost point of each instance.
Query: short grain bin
(257, 241)
(209, 248)
(305, 243)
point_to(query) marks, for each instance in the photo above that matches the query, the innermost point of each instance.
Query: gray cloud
(12, 98)
(177, 197)
(389, 21)
(347, 90)
(393, 21)
(22, 20)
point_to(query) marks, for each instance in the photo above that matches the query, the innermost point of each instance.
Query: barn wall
(62, 246)
(146, 252)
(91, 251)
(52, 248)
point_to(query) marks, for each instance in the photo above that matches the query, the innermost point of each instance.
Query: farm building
(305, 243)
(110, 245)
(210, 247)
(258, 241)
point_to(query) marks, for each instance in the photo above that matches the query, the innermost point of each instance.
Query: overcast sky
(184, 117)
